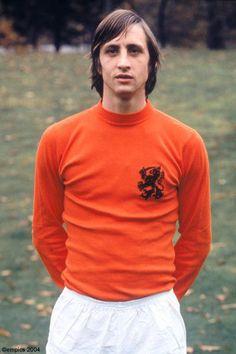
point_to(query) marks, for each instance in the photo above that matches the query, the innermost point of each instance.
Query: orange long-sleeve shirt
(109, 189)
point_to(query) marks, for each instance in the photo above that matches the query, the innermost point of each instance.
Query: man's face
(124, 64)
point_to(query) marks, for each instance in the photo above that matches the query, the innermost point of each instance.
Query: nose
(123, 61)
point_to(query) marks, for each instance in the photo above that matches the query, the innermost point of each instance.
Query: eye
(111, 50)
(135, 49)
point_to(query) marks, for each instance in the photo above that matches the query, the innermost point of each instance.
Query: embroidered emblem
(151, 184)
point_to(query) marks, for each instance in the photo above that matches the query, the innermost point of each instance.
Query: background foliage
(175, 22)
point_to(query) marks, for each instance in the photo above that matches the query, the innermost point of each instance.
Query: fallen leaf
(225, 290)
(34, 343)
(46, 293)
(207, 315)
(6, 273)
(46, 280)
(221, 297)
(9, 137)
(4, 333)
(217, 245)
(30, 218)
(46, 312)
(50, 120)
(203, 297)
(29, 301)
(17, 299)
(192, 309)
(34, 258)
(189, 292)
(29, 94)
(25, 326)
(222, 181)
(228, 307)
(43, 310)
(209, 348)
(30, 247)
(214, 320)
(3, 199)
(40, 307)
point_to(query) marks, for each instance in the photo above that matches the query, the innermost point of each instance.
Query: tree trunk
(214, 37)
(33, 37)
(161, 23)
(107, 6)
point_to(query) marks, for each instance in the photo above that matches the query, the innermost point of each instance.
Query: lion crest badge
(151, 185)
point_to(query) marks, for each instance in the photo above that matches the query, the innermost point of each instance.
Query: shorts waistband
(160, 297)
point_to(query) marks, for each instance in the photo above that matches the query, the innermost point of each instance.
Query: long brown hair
(112, 26)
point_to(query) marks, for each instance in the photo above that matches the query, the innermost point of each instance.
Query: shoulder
(60, 132)
(173, 124)
(67, 125)
(180, 140)
(177, 131)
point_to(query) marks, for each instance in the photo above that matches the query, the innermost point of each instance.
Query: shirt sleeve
(48, 233)
(193, 244)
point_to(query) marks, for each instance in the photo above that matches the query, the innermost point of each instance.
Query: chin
(125, 94)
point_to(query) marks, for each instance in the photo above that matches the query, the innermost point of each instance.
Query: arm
(193, 244)
(48, 233)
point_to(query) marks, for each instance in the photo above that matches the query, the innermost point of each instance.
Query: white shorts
(83, 325)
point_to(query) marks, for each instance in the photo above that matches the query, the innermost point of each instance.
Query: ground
(195, 86)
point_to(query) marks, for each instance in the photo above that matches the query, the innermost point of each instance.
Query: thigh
(61, 318)
(77, 328)
(154, 329)
(169, 322)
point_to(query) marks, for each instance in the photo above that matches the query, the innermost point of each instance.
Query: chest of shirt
(121, 164)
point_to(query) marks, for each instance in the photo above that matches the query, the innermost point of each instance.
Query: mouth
(124, 77)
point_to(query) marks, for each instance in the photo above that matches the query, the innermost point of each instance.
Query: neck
(123, 105)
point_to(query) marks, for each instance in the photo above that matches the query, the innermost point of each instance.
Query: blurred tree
(175, 22)
(8, 37)
(64, 20)
(107, 6)
(32, 18)
(161, 32)
(230, 19)
(214, 38)
(189, 22)
(27, 17)
(57, 18)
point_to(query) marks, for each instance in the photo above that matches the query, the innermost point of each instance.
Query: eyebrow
(129, 45)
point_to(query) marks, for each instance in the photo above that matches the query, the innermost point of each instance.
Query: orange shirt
(109, 189)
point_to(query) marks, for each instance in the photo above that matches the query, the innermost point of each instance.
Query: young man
(111, 182)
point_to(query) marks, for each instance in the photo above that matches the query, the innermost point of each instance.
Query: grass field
(197, 87)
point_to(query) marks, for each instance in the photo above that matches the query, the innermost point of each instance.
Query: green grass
(197, 87)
